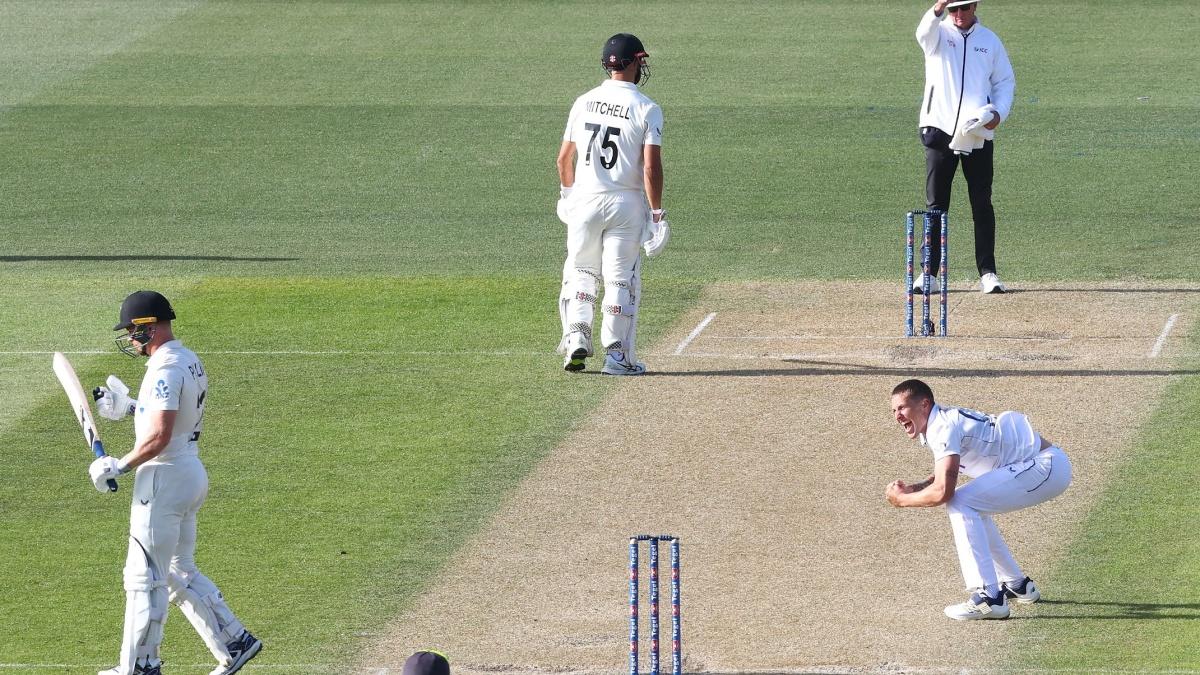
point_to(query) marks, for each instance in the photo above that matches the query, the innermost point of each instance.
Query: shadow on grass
(1103, 290)
(1119, 610)
(111, 258)
(1034, 291)
(829, 368)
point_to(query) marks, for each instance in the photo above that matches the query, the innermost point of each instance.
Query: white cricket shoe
(1023, 592)
(576, 350)
(935, 286)
(980, 606)
(990, 283)
(617, 363)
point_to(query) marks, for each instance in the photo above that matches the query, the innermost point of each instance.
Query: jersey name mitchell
(609, 126)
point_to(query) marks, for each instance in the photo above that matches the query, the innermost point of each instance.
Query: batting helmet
(144, 307)
(426, 662)
(621, 50)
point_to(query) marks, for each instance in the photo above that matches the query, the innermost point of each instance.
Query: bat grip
(98, 449)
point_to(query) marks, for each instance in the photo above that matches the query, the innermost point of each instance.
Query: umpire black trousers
(940, 165)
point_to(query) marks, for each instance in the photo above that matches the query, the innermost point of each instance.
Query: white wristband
(122, 467)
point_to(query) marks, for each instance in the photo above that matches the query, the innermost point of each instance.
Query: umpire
(969, 87)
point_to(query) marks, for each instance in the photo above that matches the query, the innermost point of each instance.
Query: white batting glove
(564, 194)
(113, 402)
(657, 234)
(104, 469)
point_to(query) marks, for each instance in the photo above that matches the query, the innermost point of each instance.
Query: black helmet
(621, 50)
(144, 307)
(140, 313)
(426, 663)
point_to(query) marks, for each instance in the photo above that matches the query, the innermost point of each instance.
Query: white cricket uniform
(1010, 471)
(607, 214)
(168, 491)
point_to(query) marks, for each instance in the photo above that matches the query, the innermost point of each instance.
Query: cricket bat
(83, 411)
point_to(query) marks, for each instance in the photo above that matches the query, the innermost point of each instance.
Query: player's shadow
(120, 258)
(812, 368)
(1089, 609)
(1104, 290)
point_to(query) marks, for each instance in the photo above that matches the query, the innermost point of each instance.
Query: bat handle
(98, 448)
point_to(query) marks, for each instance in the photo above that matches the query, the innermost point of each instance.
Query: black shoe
(242, 650)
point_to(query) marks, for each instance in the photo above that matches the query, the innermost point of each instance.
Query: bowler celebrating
(1013, 468)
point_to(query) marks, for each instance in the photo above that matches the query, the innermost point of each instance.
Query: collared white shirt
(983, 442)
(175, 380)
(609, 126)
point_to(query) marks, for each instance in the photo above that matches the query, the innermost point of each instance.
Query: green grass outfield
(378, 178)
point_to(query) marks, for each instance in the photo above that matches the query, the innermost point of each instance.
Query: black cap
(144, 307)
(426, 663)
(621, 50)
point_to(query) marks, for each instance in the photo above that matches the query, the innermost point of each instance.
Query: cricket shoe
(980, 606)
(137, 670)
(1023, 592)
(990, 283)
(617, 363)
(241, 651)
(576, 350)
(935, 286)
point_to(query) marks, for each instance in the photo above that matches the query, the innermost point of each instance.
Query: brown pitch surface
(766, 445)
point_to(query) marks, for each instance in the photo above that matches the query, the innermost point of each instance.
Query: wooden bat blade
(80, 406)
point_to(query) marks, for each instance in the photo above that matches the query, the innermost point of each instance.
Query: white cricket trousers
(604, 241)
(161, 564)
(982, 554)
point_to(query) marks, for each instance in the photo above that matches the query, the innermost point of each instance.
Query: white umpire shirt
(609, 126)
(174, 380)
(983, 442)
(963, 72)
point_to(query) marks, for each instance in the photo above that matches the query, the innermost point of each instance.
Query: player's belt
(194, 437)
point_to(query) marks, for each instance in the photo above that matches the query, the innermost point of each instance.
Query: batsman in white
(168, 489)
(611, 175)
(1012, 468)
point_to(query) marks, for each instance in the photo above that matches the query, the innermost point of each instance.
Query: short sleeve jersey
(174, 380)
(983, 442)
(609, 126)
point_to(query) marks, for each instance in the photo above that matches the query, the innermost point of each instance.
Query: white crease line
(899, 338)
(929, 348)
(831, 670)
(695, 333)
(884, 359)
(302, 352)
(309, 667)
(1162, 337)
